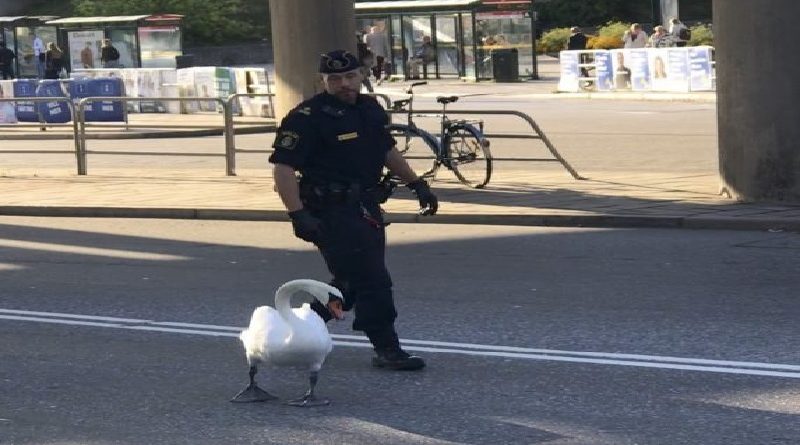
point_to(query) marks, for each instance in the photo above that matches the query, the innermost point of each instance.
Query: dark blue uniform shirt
(328, 140)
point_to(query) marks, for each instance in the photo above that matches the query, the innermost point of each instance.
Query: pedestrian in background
(7, 57)
(339, 143)
(680, 33)
(109, 56)
(577, 39)
(660, 38)
(53, 62)
(635, 37)
(378, 42)
(39, 55)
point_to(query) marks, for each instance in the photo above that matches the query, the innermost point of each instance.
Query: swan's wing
(266, 327)
(313, 336)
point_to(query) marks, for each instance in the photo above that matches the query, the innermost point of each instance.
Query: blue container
(26, 111)
(100, 111)
(57, 112)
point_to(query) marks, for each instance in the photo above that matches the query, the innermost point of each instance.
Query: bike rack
(539, 134)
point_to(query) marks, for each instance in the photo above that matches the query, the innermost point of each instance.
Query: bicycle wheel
(415, 144)
(468, 156)
(406, 138)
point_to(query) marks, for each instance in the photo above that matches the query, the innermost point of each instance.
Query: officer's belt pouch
(330, 193)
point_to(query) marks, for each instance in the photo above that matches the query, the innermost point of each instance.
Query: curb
(549, 220)
(254, 129)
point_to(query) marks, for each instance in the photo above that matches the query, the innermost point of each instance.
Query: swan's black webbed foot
(252, 393)
(309, 399)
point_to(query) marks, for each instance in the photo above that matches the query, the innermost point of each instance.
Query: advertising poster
(226, 84)
(7, 113)
(57, 111)
(604, 70)
(669, 68)
(148, 84)
(253, 80)
(84, 49)
(186, 82)
(678, 69)
(700, 70)
(569, 72)
(26, 111)
(205, 86)
(640, 69)
(659, 71)
(622, 72)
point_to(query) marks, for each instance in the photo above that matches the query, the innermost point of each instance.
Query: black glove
(306, 226)
(428, 203)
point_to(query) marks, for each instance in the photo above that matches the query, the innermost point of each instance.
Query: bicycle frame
(441, 144)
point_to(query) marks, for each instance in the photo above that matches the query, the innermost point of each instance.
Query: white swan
(290, 337)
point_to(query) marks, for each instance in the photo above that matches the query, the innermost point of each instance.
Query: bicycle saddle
(446, 99)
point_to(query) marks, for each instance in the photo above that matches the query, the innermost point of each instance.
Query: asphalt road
(532, 335)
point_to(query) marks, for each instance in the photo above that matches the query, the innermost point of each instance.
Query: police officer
(339, 143)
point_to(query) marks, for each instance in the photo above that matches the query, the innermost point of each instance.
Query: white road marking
(90, 251)
(603, 358)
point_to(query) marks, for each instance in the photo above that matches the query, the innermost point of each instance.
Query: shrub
(702, 35)
(604, 42)
(553, 40)
(614, 29)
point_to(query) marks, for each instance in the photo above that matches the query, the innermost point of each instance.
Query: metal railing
(80, 124)
(538, 134)
(229, 129)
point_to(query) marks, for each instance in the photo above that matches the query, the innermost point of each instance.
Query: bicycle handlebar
(415, 84)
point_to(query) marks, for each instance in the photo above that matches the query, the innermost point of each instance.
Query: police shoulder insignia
(304, 110)
(286, 140)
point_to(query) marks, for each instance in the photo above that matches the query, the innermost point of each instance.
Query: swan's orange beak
(335, 308)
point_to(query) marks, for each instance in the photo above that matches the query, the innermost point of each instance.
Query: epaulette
(303, 110)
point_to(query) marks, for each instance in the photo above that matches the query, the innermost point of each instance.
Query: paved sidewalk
(547, 197)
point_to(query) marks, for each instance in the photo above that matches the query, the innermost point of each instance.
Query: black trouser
(353, 246)
(6, 73)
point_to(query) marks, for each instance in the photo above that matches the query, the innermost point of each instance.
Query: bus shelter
(143, 41)
(469, 36)
(27, 36)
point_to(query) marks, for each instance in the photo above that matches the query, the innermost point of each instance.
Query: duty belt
(331, 193)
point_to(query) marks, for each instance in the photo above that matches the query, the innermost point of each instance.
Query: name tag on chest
(347, 136)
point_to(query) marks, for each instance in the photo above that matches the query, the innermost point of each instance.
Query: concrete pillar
(758, 99)
(301, 31)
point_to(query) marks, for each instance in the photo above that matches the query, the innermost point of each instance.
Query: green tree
(205, 21)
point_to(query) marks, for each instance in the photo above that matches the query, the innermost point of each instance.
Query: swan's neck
(283, 302)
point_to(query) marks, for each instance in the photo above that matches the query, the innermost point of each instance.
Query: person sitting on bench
(424, 55)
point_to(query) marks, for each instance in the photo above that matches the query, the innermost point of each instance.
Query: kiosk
(27, 36)
(464, 33)
(143, 41)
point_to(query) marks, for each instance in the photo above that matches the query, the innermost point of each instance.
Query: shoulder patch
(287, 140)
(304, 110)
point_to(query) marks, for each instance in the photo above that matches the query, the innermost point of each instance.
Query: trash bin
(505, 64)
(184, 61)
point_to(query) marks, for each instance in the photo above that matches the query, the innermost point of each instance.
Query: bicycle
(460, 146)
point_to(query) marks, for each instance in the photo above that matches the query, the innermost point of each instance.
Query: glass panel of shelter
(448, 62)
(124, 40)
(25, 53)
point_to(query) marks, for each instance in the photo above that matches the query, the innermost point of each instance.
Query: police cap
(338, 61)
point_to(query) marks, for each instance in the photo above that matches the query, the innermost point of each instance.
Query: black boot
(389, 354)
